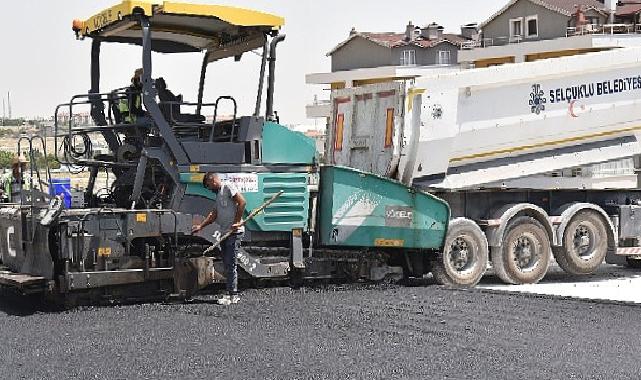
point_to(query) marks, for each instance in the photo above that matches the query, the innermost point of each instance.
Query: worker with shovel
(228, 214)
(14, 182)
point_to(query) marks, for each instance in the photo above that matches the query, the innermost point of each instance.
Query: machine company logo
(537, 99)
(398, 216)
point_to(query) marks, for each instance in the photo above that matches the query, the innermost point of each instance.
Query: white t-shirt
(226, 207)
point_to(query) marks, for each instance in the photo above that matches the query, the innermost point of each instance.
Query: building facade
(417, 46)
(530, 30)
(533, 20)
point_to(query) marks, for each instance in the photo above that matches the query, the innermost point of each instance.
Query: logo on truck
(537, 99)
(437, 112)
(583, 91)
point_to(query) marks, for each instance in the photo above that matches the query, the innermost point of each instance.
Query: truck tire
(584, 245)
(524, 254)
(464, 257)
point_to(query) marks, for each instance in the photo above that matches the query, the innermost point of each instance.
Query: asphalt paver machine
(133, 238)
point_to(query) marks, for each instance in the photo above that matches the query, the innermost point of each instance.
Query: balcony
(319, 109)
(607, 29)
(586, 39)
(600, 30)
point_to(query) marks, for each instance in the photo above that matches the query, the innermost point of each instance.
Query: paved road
(353, 332)
(610, 283)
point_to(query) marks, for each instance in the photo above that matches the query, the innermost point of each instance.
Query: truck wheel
(464, 257)
(584, 246)
(524, 254)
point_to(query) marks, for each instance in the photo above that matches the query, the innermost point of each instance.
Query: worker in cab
(228, 214)
(130, 108)
(15, 181)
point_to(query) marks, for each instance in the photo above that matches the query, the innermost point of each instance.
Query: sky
(43, 65)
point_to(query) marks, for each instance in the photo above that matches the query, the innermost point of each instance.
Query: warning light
(76, 26)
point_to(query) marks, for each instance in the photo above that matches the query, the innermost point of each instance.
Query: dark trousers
(230, 247)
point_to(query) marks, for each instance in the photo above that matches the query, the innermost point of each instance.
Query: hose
(72, 153)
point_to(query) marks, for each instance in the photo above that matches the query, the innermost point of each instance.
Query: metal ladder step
(25, 283)
(267, 268)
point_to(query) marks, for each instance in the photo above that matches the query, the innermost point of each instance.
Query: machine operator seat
(170, 107)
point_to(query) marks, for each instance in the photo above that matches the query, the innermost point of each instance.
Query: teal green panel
(289, 211)
(199, 189)
(284, 146)
(358, 209)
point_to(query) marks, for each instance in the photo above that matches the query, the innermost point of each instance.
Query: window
(532, 26)
(338, 132)
(444, 57)
(516, 27)
(389, 128)
(592, 20)
(408, 58)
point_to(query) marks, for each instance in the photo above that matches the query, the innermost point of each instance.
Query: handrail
(87, 99)
(34, 164)
(570, 31)
(110, 98)
(233, 125)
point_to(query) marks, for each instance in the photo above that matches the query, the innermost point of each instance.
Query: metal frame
(269, 112)
(109, 129)
(233, 123)
(149, 97)
(164, 150)
(201, 83)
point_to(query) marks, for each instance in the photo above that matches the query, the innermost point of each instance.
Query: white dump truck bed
(480, 127)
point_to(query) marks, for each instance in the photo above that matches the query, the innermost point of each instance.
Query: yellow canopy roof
(182, 27)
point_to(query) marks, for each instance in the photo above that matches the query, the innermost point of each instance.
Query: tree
(5, 159)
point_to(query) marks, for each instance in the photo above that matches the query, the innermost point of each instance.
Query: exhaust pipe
(261, 80)
(269, 113)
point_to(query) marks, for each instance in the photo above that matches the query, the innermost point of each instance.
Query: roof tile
(398, 39)
(393, 40)
(628, 7)
(570, 5)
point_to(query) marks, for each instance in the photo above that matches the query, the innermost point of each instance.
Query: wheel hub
(583, 241)
(461, 255)
(525, 253)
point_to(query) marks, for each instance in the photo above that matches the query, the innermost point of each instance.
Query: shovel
(243, 222)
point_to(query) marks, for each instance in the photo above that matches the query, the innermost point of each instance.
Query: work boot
(224, 300)
(228, 299)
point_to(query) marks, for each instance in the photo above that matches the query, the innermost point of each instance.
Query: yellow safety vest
(11, 188)
(125, 109)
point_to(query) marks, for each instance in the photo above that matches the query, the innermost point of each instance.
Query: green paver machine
(133, 238)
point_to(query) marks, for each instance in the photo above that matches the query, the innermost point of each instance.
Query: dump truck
(130, 236)
(492, 142)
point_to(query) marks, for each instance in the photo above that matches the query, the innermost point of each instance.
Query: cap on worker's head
(19, 160)
(137, 75)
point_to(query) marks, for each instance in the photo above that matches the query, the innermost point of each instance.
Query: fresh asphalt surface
(332, 332)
